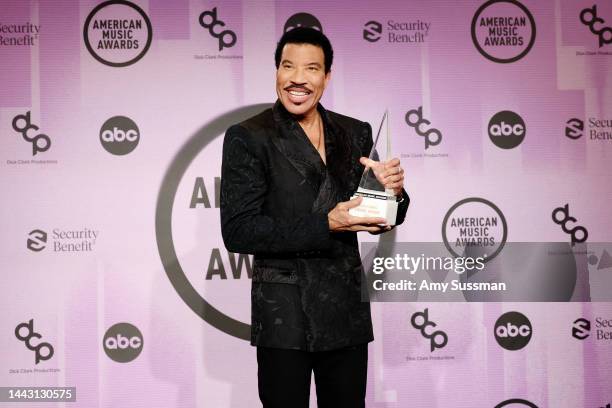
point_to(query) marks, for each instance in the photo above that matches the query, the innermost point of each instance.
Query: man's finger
(373, 228)
(366, 220)
(352, 203)
(395, 162)
(368, 162)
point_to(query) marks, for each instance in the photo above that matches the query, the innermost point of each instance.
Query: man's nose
(298, 77)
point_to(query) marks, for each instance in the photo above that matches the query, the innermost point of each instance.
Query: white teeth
(296, 93)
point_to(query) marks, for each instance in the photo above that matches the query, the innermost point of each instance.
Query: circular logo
(503, 31)
(574, 128)
(517, 403)
(119, 135)
(302, 20)
(117, 33)
(123, 342)
(372, 31)
(474, 222)
(507, 129)
(175, 266)
(513, 331)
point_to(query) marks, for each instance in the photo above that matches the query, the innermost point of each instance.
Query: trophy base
(375, 204)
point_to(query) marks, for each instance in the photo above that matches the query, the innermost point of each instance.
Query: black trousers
(340, 377)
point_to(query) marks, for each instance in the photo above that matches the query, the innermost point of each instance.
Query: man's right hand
(340, 219)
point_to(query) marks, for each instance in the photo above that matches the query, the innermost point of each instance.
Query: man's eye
(313, 68)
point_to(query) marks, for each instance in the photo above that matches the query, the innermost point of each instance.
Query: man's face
(301, 78)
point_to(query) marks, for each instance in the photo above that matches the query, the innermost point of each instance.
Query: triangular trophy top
(368, 179)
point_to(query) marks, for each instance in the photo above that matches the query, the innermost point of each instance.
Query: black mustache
(297, 88)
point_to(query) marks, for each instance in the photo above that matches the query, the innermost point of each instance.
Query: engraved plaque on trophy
(377, 202)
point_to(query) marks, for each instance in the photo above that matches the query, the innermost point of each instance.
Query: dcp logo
(37, 240)
(581, 329)
(589, 18)
(372, 31)
(123, 342)
(506, 129)
(563, 222)
(438, 339)
(227, 38)
(302, 20)
(119, 135)
(414, 118)
(22, 124)
(513, 331)
(38, 356)
(574, 128)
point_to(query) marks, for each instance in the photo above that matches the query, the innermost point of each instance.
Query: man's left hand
(388, 173)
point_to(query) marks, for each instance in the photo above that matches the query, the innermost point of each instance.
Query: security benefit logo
(474, 226)
(599, 329)
(423, 127)
(513, 331)
(397, 31)
(578, 234)
(29, 132)
(507, 129)
(600, 28)
(25, 332)
(21, 34)
(37, 240)
(123, 342)
(117, 33)
(119, 135)
(437, 338)
(212, 281)
(63, 240)
(503, 31)
(598, 129)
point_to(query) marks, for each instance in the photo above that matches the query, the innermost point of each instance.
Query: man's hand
(388, 173)
(340, 219)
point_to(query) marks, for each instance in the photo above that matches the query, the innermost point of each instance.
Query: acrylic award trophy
(377, 202)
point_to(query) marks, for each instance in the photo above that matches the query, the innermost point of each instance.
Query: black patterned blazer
(276, 193)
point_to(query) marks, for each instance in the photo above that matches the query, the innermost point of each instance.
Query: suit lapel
(292, 144)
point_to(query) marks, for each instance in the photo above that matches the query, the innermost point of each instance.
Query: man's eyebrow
(314, 63)
(286, 61)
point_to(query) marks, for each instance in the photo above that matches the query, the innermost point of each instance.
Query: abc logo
(123, 342)
(507, 129)
(513, 331)
(119, 135)
(516, 403)
(302, 20)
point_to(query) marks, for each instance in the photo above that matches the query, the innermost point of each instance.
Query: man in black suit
(286, 180)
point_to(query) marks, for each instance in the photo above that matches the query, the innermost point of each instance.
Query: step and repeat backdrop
(116, 283)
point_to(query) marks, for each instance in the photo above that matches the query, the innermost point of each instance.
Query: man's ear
(327, 78)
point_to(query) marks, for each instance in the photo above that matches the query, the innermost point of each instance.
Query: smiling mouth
(298, 95)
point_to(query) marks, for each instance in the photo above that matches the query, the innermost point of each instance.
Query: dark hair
(306, 35)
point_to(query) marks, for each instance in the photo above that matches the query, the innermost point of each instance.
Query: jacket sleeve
(244, 227)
